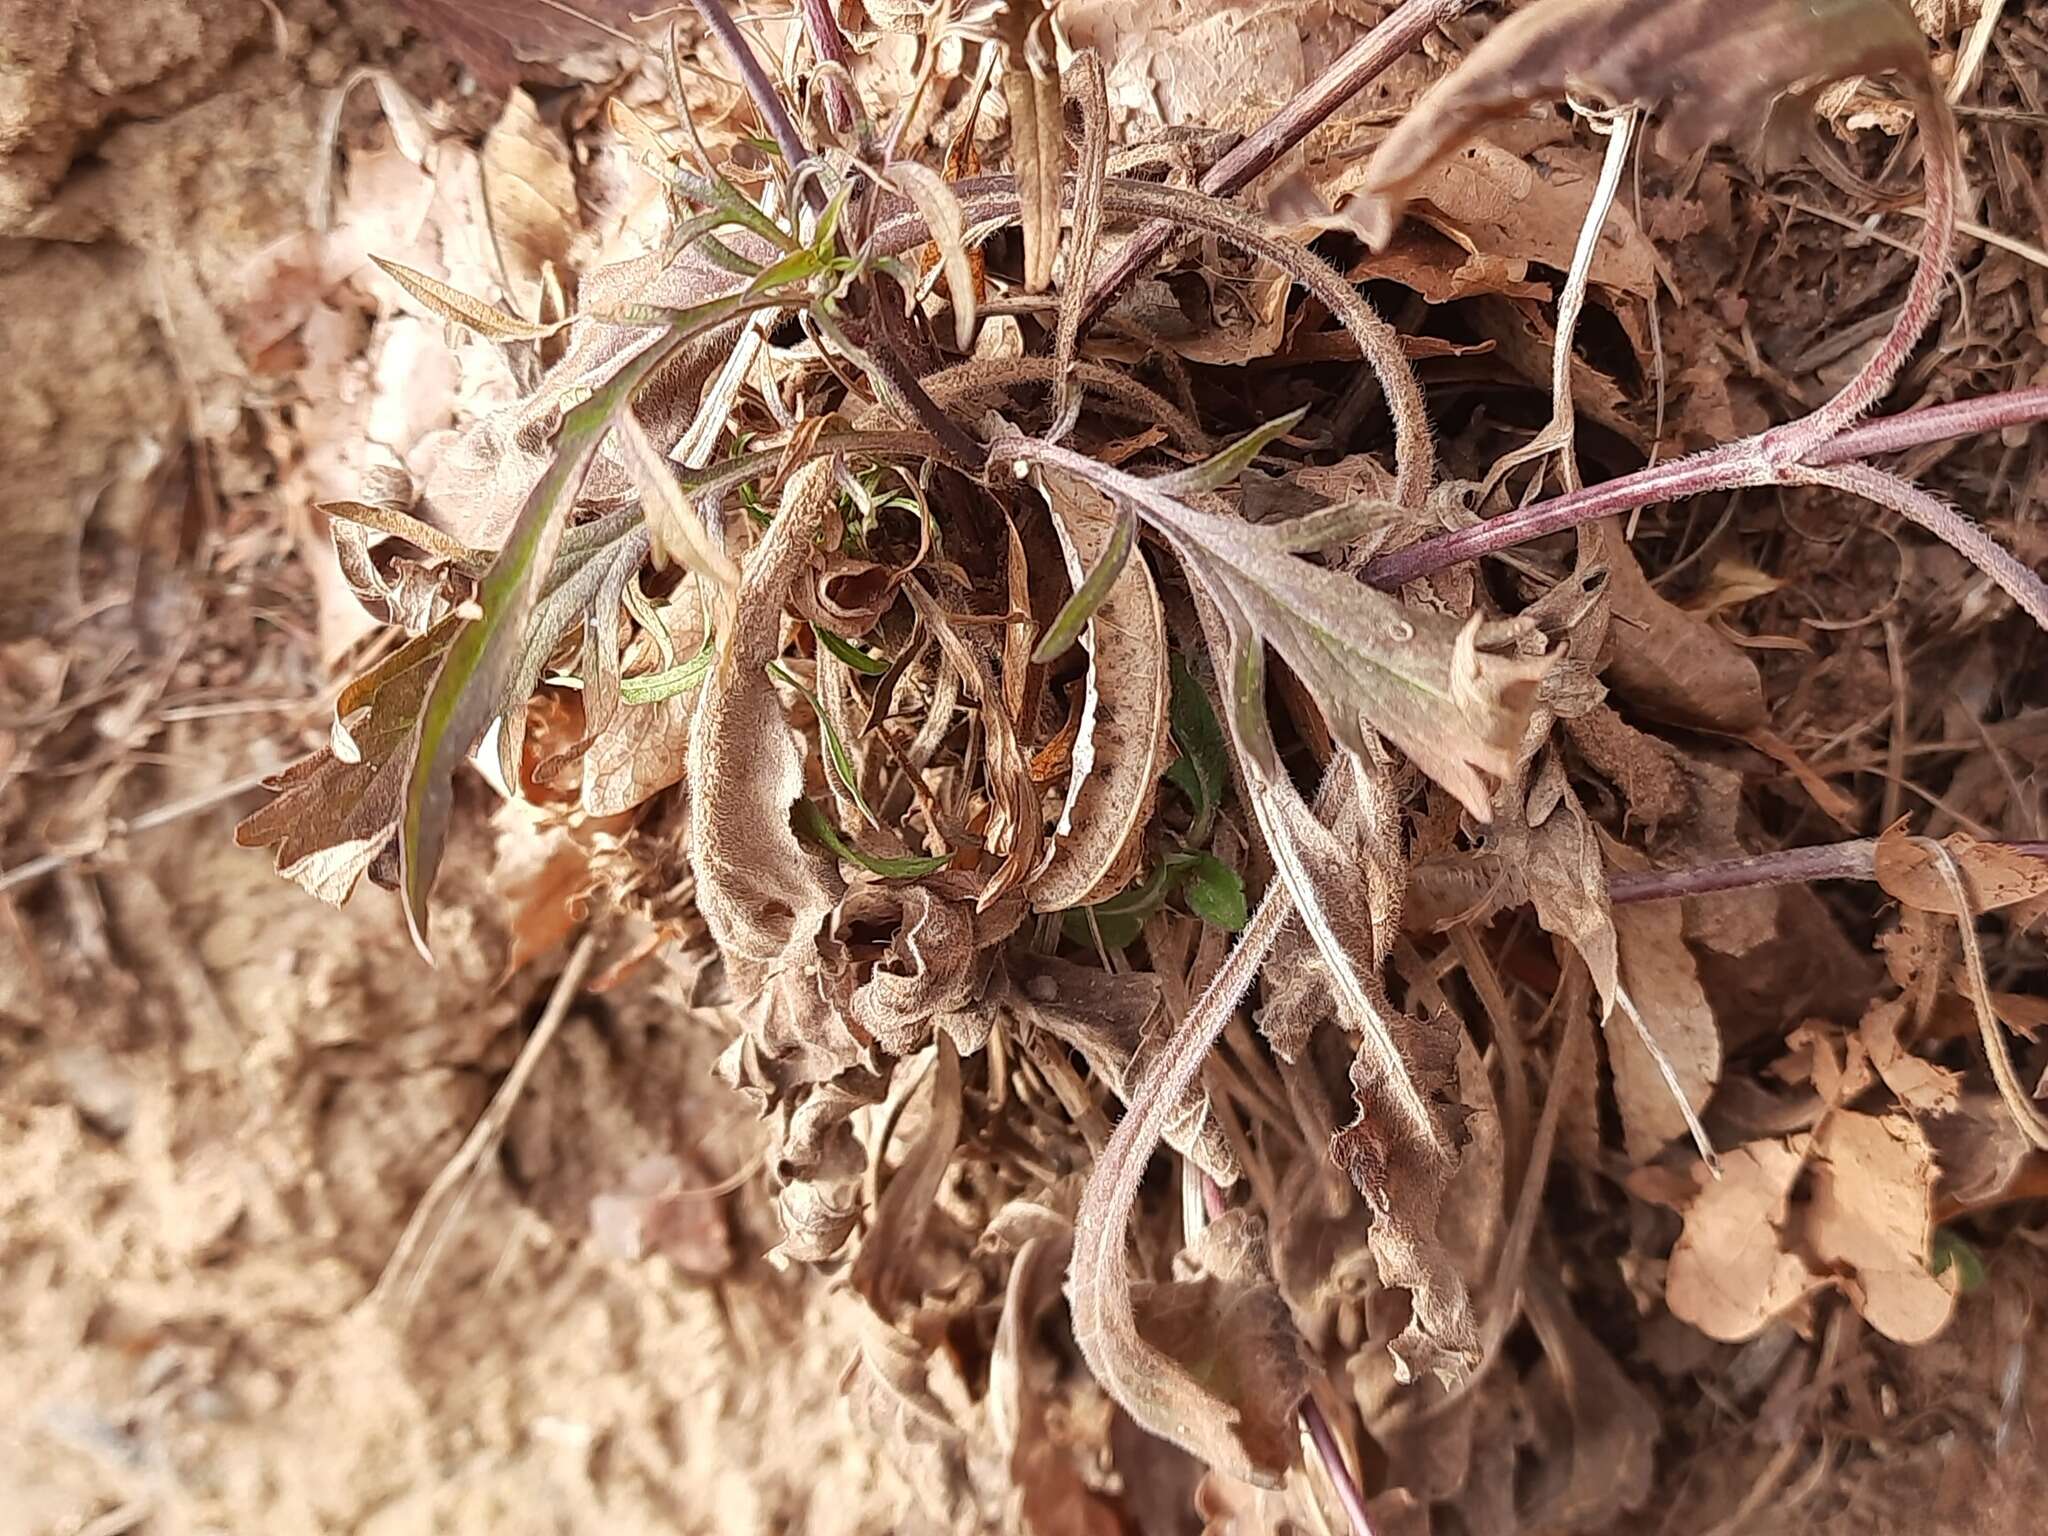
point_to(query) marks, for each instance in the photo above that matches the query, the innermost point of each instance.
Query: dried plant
(984, 719)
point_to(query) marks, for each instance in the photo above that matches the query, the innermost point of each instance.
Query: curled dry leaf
(1748, 1255)
(891, 1251)
(1716, 67)
(762, 893)
(1403, 1177)
(1995, 875)
(1229, 1328)
(1116, 756)
(891, 1400)
(336, 811)
(1038, 140)
(530, 192)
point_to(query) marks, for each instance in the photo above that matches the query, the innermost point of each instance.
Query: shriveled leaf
(1614, 1423)
(934, 200)
(487, 320)
(647, 747)
(1715, 67)
(837, 757)
(763, 895)
(1115, 768)
(529, 193)
(335, 812)
(1994, 875)
(404, 525)
(889, 1253)
(891, 1401)
(1038, 141)
(1403, 1175)
(1230, 1331)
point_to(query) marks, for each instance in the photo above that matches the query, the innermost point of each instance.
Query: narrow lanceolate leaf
(818, 825)
(1038, 141)
(1123, 725)
(487, 320)
(841, 760)
(1093, 590)
(404, 525)
(1224, 466)
(851, 654)
(1716, 67)
(1202, 770)
(927, 190)
(675, 526)
(468, 689)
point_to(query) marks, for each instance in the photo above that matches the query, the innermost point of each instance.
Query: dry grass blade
(452, 304)
(929, 194)
(1038, 142)
(440, 1209)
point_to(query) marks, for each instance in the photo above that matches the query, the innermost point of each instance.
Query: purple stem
(1365, 61)
(1718, 469)
(1325, 1441)
(767, 101)
(829, 43)
(1319, 1432)
(1856, 860)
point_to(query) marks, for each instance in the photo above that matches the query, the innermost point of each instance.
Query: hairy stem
(1718, 469)
(767, 100)
(1364, 62)
(1854, 860)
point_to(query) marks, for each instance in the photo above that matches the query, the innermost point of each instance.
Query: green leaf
(1094, 589)
(1951, 1248)
(812, 820)
(851, 654)
(468, 687)
(1202, 772)
(1224, 466)
(1120, 919)
(1214, 892)
(835, 749)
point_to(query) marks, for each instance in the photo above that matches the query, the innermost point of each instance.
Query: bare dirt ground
(221, 1102)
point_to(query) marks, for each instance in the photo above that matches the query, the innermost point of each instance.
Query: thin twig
(1332, 1457)
(175, 810)
(767, 101)
(1697, 475)
(457, 1180)
(1364, 62)
(1854, 860)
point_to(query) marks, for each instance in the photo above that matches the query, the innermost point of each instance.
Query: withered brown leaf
(336, 811)
(1716, 67)
(1123, 717)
